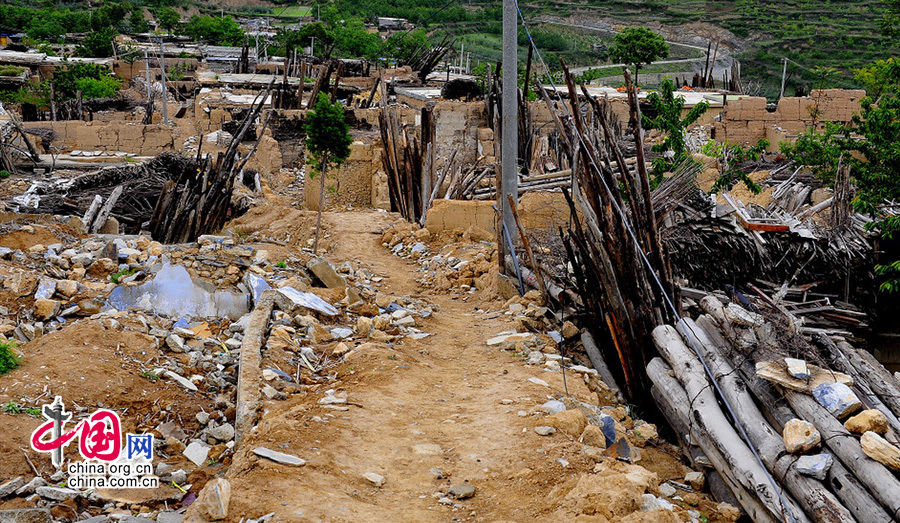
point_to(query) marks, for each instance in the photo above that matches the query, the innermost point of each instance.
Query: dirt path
(431, 413)
(423, 414)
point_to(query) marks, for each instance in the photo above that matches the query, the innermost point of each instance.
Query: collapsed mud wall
(746, 120)
(125, 137)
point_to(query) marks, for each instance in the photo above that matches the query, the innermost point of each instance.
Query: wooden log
(675, 400)
(840, 360)
(882, 382)
(818, 503)
(882, 484)
(599, 362)
(107, 208)
(718, 485)
(840, 480)
(705, 411)
(91, 214)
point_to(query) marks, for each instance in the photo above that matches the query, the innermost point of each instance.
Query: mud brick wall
(745, 120)
(136, 138)
(352, 182)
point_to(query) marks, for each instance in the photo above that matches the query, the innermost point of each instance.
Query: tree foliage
(167, 18)
(93, 80)
(214, 30)
(327, 142)
(286, 40)
(327, 133)
(97, 44)
(668, 109)
(638, 46)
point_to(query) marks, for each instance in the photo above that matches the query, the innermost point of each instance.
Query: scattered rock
(572, 422)
(373, 478)
(815, 465)
(175, 343)
(543, 430)
(45, 309)
(462, 491)
(880, 450)
(25, 515)
(797, 368)
(695, 479)
(224, 432)
(56, 493)
(569, 330)
(279, 457)
(800, 436)
(837, 398)
(868, 420)
(212, 502)
(11, 486)
(325, 273)
(593, 436)
(196, 452)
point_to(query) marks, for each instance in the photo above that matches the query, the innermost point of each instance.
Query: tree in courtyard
(328, 143)
(668, 109)
(168, 18)
(638, 46)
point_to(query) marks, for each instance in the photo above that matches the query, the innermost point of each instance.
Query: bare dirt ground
(424, 415)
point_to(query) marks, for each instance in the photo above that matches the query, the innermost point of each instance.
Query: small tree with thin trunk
(638, 46)
(328, 143)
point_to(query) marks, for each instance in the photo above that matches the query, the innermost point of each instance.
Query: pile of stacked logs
(613, 244)
(821, 415)
(197, 202)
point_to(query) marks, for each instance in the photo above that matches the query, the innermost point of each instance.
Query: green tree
(328, 142)
(882, 76)
(97, 44)
(214, 30)
(668, 109)
(638, 46)
(351, 39)
(403, 46)
(66, 79)
(167, 18)
(287, 40)
(890, 21)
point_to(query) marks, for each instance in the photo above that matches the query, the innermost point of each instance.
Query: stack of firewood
(821, 415)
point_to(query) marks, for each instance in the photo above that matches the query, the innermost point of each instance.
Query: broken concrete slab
(776, 372)
(325, 273)
(307, 300)
(25, 515)
(279, 457)
(197, 453)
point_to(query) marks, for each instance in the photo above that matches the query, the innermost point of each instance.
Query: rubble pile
(466, 263)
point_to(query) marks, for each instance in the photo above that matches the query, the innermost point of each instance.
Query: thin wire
(662, 289)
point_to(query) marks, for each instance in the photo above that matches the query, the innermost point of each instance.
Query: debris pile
(821, 415)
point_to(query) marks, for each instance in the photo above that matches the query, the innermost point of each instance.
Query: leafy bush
(214, 30)
(98, 44)
(4, 174)
(67, 80)
(9, 360)
(730, 156)
(821, 152)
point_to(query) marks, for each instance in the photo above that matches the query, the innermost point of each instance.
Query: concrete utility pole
(162, 77)
(509, 118)
(783, 77)
(149, 86)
